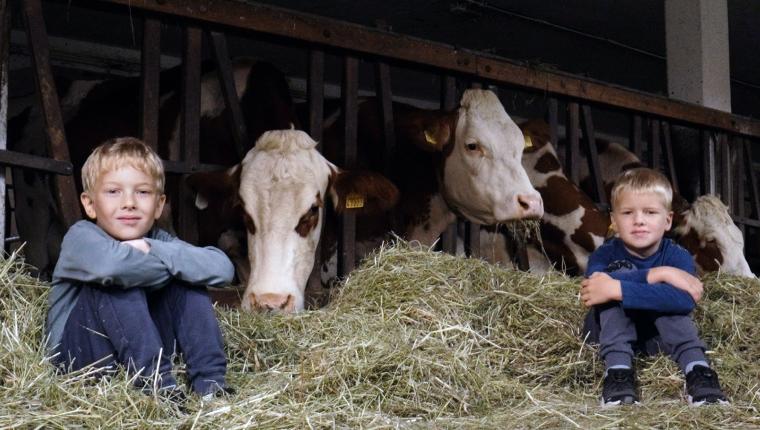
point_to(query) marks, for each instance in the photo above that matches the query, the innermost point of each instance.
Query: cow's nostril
(524, 204)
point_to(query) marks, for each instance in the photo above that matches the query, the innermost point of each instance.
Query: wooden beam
(34, 162)
(149, 79)
(373, 41)
(66, 193)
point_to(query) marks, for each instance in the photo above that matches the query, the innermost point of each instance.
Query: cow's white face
(710, 222)
(283, 181)
(484, 179)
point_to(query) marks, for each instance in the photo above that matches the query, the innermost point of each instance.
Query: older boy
(126, 293)
(639, 282)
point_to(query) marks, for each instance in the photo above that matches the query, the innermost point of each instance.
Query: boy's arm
(88, 254)
(195, 265)
(659, 297)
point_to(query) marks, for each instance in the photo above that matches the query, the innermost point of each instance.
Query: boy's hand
(140, 244)
(600, 288)
(678, 278)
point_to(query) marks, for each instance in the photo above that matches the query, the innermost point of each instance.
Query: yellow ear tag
(429, 138)
(354, 201)
(528, 142)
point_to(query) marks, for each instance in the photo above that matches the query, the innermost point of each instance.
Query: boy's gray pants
(620, 331)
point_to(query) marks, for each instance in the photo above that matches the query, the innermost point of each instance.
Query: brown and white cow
(463, 162)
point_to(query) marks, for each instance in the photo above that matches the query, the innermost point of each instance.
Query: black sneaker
(703, 387)
(619, 388)
(219, 392)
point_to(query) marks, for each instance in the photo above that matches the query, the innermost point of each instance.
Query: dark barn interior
(620, 45)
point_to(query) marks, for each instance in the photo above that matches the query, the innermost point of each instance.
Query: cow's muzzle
(272, 302)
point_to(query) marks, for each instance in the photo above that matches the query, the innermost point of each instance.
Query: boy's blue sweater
(613, 259)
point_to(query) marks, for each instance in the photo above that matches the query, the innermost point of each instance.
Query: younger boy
(639, 282)
(127, 293)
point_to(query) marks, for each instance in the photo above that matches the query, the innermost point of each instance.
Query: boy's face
(641, 220)
(124, 203)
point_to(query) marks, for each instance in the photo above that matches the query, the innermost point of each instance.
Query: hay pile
(413, 339)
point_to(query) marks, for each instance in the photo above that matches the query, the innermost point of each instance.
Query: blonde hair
(117, 153)
(643, 180)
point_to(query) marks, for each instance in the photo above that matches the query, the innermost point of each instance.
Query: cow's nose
(274, 302)
(531, 205)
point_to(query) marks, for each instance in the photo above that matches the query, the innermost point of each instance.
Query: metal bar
(373, 41)
(668, 152)
(593, 158)
(149, 80)
(709, 185)
(637, 145)
(316, 94)
(654, 144)
(726, 179)
(737, 145)
(350, 93)
(66, 193)
(235, 117)
(746, 221)
(190, 126)
(472, 239)
(572, 152)
(383, 90)
(752, 178)
(449, 102)
(5, 33)
(552, 114)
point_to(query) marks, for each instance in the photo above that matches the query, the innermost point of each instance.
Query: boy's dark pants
(140, 328)
(621, 330)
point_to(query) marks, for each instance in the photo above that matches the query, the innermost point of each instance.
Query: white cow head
(484, 179)
(280, 189)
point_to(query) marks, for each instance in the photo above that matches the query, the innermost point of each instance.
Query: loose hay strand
(414, 338)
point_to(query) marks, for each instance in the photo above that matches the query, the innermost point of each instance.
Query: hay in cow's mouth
(413, 339)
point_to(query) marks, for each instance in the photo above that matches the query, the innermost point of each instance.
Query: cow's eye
(472, 146)
(314, 210)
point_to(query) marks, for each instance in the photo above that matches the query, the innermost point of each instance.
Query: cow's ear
(219, 185)
(431, 131)
(361, 192)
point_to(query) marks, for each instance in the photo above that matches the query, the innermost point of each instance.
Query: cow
(573, 226)
(96, 110)
(464, 162)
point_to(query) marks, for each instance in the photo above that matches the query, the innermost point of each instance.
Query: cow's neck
(439, 216)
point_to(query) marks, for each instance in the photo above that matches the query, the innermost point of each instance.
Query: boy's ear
(160, 206)
(88, 204)
(361, 192)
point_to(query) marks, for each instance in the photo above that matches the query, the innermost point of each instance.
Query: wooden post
(349, 92)
(636, 144)
(149, 79)
(235, 117)
(315, 93)
(595, 174)
(190, 127)
(654, 144)
(726, 178)
(752, 179)
(66, 194)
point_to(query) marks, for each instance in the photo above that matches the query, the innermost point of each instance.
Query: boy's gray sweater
(90, 256)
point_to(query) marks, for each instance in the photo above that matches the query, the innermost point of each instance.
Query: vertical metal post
(737, 144)
(669, 161)
(726, 178)
(235, 119)
(149, 81)
(5, 33)
(572, 152)
(66, 193)
(448, 103)
(654, 144)
(553, 120)
(349, 92)
(315, 94)
(708, 163)
(752, 179)
(383, 90)
(636, 144)
(190, 126)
